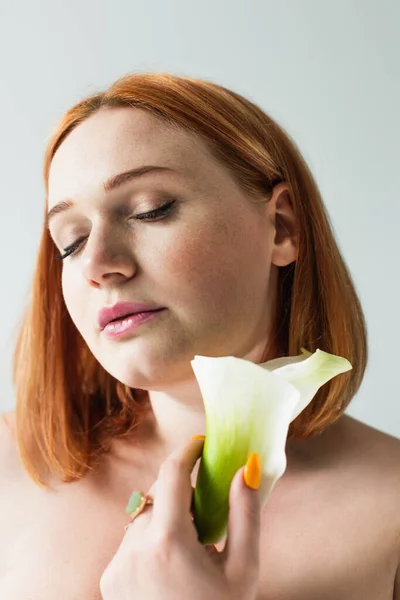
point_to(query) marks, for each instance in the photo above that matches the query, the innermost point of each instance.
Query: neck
(173, 417)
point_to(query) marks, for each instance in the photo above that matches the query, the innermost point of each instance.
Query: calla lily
(249, 408)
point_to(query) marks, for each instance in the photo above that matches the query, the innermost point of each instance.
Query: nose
(107, 258)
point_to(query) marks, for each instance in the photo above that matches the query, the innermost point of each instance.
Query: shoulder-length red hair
(68, 408)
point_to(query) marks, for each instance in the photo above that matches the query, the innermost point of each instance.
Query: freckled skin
(209, 262)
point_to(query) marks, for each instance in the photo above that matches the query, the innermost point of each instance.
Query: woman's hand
(160, 557)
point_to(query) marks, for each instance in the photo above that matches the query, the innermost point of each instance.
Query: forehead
(116, 140)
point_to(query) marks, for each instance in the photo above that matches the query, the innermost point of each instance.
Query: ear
(286, 240)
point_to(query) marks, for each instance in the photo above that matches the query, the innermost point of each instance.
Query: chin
(146, 374)
(134, 373)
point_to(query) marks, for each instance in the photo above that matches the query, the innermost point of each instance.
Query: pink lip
(122, 309)
(128, 324)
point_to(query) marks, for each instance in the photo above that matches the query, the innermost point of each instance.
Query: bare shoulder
(13, 476)
(374, 460)
(10, 484)
(381, 463)
(379, 449)
(367, 430)
(370, 456)
(7, 420)
(9, 461)
(349, 445)
(364, 464)
(348, 479)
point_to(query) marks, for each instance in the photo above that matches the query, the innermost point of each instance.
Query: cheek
(217, 268)
(73, 298)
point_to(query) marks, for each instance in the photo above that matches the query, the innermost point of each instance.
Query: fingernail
(198, 437)
(252, 471)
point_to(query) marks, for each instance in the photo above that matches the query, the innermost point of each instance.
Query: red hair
(68, 408)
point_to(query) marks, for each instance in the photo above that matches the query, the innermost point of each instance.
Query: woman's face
(207, 261)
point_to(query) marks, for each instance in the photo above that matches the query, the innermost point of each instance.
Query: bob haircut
(68, 408)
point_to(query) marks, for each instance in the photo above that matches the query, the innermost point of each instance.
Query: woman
(184, 196)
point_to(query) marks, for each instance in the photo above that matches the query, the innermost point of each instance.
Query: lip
(123, 309)
(126, 326)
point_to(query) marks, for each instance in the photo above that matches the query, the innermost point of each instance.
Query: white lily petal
(308, 372)
(282, 361)
(248, 409)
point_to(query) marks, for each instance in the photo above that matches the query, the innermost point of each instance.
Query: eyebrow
(110, 184)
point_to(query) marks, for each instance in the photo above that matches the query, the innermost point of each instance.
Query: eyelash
(165, 209)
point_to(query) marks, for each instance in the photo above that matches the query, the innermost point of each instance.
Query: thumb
(242, 550)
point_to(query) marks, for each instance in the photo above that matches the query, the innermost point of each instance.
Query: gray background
(328, 72)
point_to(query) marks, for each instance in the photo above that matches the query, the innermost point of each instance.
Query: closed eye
(163, 210)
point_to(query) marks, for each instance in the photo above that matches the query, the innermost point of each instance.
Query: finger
(174, 488)
(244, 526)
